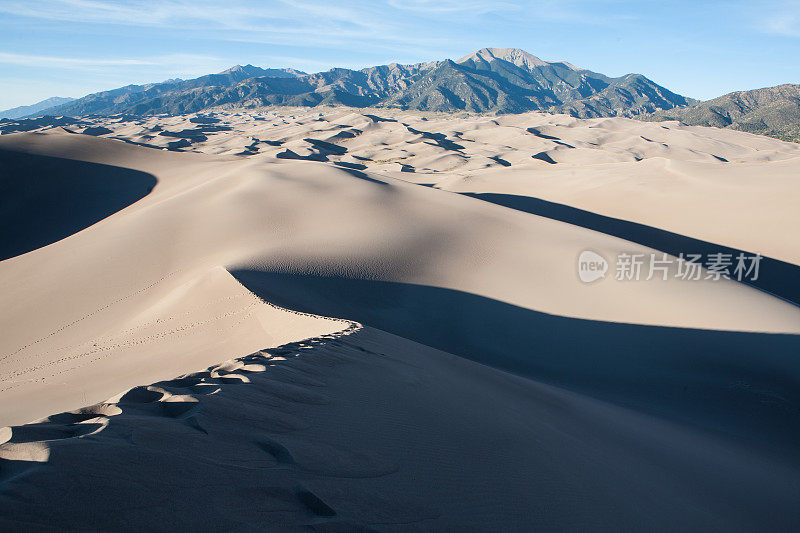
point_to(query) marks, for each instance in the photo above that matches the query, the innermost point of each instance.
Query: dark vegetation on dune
(772, 111)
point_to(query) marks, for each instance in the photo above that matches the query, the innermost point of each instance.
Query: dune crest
(350, 321)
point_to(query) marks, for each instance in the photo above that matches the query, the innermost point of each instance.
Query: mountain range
(502, 80)
(493, 80)
(33, 109)
(772, 111)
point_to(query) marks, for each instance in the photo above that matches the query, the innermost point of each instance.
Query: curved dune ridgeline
(46, 199)
(333, 320)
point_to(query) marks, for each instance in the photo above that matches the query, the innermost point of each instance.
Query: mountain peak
(245, 69)
(518, 57)
(241, 72)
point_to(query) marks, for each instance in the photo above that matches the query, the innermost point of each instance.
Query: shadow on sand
(775, 277)
(745, 384)
(46, 199)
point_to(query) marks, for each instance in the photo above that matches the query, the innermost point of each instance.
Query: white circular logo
(591, 266)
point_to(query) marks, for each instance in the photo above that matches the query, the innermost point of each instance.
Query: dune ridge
(720, 186)
(464, 355)
(336, 432)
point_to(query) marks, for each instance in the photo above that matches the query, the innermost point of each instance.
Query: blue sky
(698, 48)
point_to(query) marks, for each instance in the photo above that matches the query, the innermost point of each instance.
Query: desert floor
(338, 320)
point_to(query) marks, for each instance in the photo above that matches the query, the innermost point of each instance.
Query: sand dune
(339, 434)
(96, 191)
(307, 219)
(715, 185)
(603, 405)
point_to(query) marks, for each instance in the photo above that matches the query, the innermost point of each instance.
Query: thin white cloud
(305, 23)
(453, 6)
(773, 17)
(187, 61)
(135, 13)
(398, 29)
(785, 23)
(267, 16)
(65, 62)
